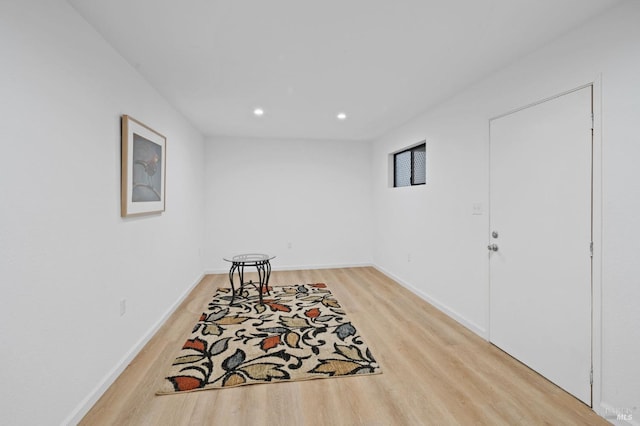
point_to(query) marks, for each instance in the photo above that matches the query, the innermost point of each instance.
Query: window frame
(421, 146)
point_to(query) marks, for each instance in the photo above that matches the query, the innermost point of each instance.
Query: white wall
(66, 256)
(448, 244)
(263, 194)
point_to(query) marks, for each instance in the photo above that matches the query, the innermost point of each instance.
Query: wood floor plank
(435, 371)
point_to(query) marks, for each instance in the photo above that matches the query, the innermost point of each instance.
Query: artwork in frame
(144, 158)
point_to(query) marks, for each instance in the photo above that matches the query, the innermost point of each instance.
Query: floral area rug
(299, 333)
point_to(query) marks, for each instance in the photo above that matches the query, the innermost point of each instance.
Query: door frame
(597, 232)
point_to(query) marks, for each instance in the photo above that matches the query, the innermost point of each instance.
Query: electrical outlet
(289, 245)
(409, 258)
(123, 307)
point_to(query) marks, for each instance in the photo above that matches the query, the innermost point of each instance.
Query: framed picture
(144, 158)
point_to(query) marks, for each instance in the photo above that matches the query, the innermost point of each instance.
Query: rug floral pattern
(299, 333)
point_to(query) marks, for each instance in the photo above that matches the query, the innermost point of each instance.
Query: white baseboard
(604, 410)
(480, 331)
(617, 416)
(297, 268)
(81, 410)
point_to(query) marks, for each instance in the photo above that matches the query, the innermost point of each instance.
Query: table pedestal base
(264, 272)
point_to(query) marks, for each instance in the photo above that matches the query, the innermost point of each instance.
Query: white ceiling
(380, 61)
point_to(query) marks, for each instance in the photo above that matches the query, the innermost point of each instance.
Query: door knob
(493, 247)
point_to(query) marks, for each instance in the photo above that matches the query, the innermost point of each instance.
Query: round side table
(258, 260)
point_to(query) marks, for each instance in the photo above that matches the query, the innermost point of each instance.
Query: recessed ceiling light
(258, 111)
(342, 116)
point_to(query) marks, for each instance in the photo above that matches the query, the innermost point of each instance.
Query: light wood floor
(435, 372)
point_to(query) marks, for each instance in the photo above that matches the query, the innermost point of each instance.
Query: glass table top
(249, 258)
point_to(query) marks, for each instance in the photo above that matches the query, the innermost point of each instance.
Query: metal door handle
(493, 247)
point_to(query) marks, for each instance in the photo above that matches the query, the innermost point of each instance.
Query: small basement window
(410, 166)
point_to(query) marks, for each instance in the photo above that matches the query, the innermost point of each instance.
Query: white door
(540, 216)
